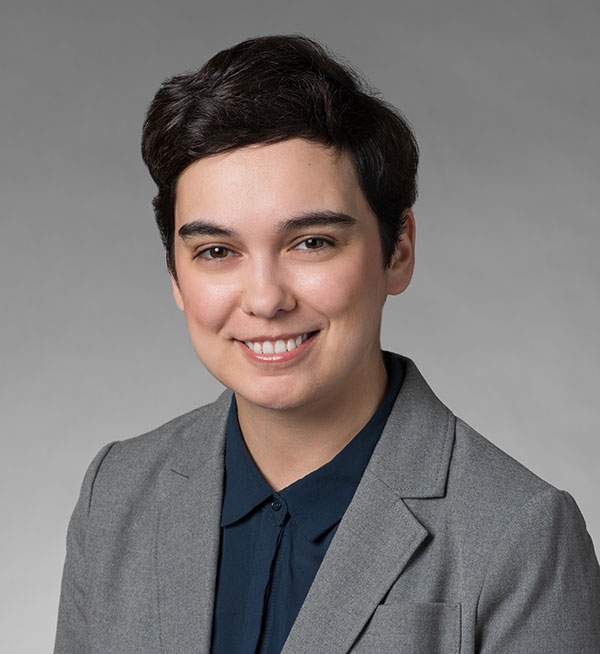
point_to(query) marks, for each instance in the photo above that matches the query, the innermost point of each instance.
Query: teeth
(278, 347)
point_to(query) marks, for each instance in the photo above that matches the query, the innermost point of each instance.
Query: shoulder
(480, 469)
(518, 528)
(496, 484)
(481, 492)
(489, 493)
(427, 452)
(528, 546)
(136, 462)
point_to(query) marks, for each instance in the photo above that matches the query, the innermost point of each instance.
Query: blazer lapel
(188, 534)
(378, 534)
(375, 540)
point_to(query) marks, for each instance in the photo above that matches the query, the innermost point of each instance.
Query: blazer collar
(413, 453)
(411, 457)
(203, 441)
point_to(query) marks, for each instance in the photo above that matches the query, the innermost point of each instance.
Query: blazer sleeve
(541, 592)
(71, 633)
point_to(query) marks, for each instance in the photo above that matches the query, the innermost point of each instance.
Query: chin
(273, 399)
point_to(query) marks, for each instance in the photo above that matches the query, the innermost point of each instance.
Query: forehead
(270, 181)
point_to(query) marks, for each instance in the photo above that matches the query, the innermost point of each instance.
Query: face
(280, 273)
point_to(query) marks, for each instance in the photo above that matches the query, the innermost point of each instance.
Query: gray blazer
(449, 546)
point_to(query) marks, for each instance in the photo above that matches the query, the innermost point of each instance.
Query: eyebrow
(306, 220)
(317, 219)
(204, 228)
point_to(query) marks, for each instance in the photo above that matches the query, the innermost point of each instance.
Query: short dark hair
(273, 88)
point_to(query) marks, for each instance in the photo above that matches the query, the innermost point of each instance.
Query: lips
(277, 346)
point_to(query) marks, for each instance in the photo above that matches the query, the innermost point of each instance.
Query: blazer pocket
(409, 628)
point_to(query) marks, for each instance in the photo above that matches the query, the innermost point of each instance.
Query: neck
(286, 445)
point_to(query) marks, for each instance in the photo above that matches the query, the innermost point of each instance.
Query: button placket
(276, 506)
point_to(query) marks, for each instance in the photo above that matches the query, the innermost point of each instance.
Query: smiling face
(280, 274)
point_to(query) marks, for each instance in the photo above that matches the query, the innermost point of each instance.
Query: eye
(313, 243)
(214, 253)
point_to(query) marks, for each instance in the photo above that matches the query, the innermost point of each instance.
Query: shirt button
(275, 505)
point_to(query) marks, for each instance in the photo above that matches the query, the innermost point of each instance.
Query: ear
(400, 268)
(177, 293)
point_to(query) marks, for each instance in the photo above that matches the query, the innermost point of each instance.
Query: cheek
(208, 305)
(345, 288)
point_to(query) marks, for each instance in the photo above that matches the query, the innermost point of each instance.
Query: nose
(266, 291)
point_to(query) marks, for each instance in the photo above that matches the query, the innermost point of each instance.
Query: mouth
(279, 345)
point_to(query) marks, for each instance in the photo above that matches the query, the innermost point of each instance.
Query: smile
(278, 346)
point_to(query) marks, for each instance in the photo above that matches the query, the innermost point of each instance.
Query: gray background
(503, 315)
